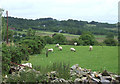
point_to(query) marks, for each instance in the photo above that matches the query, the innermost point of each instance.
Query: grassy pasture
(100, 58)
(115, 29)
(99, 38)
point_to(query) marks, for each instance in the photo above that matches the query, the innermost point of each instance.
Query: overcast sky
(86, 10)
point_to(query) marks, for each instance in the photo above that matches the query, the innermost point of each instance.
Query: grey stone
(104, 81)
(107, 78)
(118, 78)
(105, 73)
(77, 80)
(74, 66)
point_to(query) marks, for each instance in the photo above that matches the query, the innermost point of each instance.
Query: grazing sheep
(72, 49)
(90, 48)
(75, 43)
(60, 48)
(57, 45)
(51, 49)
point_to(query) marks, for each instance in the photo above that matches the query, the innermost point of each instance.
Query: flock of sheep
(51, 50)
(71, 49)
(22, 66)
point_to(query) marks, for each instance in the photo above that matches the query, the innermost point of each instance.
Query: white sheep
(75, 43)
(60, 48)
(57, 45)
(90, 48)
(51, 49)
(72, 49)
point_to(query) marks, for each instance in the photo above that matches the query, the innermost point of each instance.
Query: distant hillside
(65, 26)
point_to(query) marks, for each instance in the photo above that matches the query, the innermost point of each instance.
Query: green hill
(65, 26)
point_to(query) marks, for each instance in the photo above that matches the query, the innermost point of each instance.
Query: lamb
(75, 43)
(90, 48)
(57, 45)
(51, 49)
(72, 49)
(60, 48)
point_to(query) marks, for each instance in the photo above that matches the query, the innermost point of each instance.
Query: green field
(99, 38)
(100, 58)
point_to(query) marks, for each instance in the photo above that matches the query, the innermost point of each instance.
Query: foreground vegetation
(100, 58)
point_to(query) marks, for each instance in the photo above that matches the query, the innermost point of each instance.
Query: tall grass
(62, 69)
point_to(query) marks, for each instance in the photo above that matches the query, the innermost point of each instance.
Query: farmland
(100, 58)
(99, 38)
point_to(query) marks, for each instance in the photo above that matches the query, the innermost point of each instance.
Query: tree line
(66, 26)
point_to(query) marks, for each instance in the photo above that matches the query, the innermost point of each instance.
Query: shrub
(59, 38)
(33, 45)
(16, 55)
(48, 39)
(88, 39)
(79, 42)
(25, 53)
(110, 42)
(11, 54)
(6, 58)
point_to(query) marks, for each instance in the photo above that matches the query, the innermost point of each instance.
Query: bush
(6, 58)
(88, 39)
(21, 51)
(79, 42)
(48, 39)
(16, 54)
(110, 42)
(11, 54)
(59, 38)
(33, 45)
(110, 35)
(25, 53)
(30, 45)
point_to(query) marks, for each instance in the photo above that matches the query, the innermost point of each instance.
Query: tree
(79, 42)
(110, 42)
(4, 31)
(87, 38)
(78, 32)
(110, 35)
(31, 32)
(33, 45)
(48, 39)
(59, 38)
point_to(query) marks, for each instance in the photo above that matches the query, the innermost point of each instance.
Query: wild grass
(62, 69)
